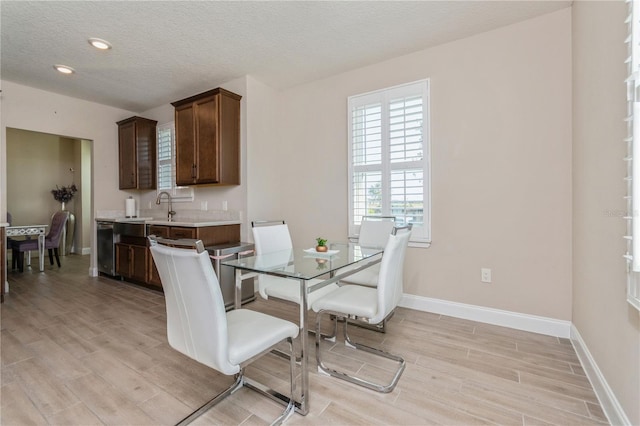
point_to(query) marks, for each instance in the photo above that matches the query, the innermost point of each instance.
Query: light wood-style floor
(78, 350)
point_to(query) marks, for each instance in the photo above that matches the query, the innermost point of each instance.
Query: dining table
(29, 231)
(312, 270)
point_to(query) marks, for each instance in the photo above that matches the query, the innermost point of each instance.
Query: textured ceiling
(165, 51)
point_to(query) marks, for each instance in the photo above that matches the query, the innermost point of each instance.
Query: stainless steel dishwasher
(106, 248)
(231, 251)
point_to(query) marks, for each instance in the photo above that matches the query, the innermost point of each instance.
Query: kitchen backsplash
(180, 216)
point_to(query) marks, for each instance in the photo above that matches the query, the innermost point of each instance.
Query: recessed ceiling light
(98, 43)
(64, 69)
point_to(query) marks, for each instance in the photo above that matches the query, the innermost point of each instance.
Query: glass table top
(306, 263)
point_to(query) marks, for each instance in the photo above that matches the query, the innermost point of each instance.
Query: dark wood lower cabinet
(131, 262)
(210, 235)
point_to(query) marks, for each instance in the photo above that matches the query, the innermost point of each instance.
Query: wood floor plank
(92, 350)
(78, 414)
(129, 382)
(106, 402)
(12, 349)
(57, 359)
(47, 391)
(17, 409)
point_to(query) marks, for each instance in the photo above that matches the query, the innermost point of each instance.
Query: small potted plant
(322, 245)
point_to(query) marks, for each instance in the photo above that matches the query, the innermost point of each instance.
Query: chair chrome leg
(352, 379)
(207, 405)
(290, 409)
(380, 328)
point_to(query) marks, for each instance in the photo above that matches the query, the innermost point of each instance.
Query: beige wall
(609, 326)
(37, 163)
(264, 201)
(501, 156)
(27, 108)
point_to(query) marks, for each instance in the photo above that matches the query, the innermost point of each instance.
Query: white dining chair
(273, 237)
(370, 305)
(374, 233)
(199, 327)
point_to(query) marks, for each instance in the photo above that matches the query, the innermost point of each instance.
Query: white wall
(501, 156)
(609, 326)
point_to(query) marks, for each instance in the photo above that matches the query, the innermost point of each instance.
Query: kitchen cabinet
(131, 261)
(210, 235)
(137, 153)
(208, 139)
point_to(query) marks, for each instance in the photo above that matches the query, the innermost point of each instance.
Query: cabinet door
(123, 260)
(139, 263)
(146, 153)
(185, 145)
(127, 155)
(154, 276)
(207, 167)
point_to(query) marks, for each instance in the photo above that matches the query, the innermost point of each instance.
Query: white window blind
(633, 148)
(165, 158)
(166, 165)
(389, 157)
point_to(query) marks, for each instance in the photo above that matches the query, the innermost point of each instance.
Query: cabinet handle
(193, 171)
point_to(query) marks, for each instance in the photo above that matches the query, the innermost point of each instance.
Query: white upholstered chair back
(390, 277)
(375, 230)
(196, 319)
(270, 238)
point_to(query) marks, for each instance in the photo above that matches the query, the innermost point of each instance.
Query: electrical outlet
(224, 205)
(204, 205)
(485, 275)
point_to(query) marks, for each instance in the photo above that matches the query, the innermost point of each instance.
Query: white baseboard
(532, 323)
(608, 401)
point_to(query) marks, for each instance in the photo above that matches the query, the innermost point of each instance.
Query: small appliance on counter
(130, 207)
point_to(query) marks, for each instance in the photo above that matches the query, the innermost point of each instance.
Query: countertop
(183, 222)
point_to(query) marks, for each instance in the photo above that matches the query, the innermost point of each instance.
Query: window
(633, 148)
(167, 165)
(389, 158)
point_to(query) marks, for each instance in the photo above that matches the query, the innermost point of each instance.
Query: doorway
(38, 163)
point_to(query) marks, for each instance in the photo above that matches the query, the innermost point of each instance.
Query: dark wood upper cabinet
(137, 153)
(208, 138)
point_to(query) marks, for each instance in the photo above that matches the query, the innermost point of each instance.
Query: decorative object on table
(322, 245)
(324, 254)
(64, 195)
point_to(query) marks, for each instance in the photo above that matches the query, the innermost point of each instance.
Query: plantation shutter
(166, 171)
(389, 157)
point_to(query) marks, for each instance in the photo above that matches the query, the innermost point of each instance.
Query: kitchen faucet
(170, 211)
